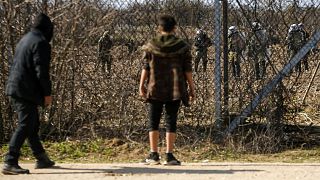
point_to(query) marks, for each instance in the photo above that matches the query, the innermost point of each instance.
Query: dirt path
(230, 171)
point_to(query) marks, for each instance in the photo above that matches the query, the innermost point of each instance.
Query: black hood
(43, 23)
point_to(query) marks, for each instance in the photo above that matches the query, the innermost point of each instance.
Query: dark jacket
(29, 74)
(167, 58)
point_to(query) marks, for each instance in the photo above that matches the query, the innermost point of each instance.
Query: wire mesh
(273, 70)
(274, 18)
(89, 103)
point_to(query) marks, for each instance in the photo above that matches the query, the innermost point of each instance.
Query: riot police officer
(202, 42)
(236, 45)
(258, 49)
(104, 55)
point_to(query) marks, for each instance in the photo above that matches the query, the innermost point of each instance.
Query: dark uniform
(236, 45)
(105, 45)
(306, 37)
(202, 42)
(258, 49)
(295, 41)
(132, 47)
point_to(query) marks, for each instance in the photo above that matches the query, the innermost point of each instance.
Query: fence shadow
(125, 170)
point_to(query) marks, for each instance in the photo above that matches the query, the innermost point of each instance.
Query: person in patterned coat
(165, 79)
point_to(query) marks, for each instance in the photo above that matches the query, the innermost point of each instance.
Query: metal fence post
(225, 59)
(217, 70)
(271, 84)
(1, 127)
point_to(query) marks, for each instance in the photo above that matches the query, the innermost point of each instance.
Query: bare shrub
(88, 104)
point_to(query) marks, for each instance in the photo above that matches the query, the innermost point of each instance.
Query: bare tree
(88, 104)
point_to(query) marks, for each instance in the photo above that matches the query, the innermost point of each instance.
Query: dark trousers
(28, 128)
(106, 60)
(201, 55)
(304, 61)
(155, 109)
(235, 62)
(260, 65)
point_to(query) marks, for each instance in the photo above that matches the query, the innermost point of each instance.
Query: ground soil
(230, 171)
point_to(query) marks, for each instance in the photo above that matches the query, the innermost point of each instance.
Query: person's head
(167, 23)
(43, 23)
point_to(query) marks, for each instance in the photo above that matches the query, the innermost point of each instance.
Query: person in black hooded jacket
(28, 87)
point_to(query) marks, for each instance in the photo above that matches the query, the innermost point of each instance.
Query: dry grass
(90, 105)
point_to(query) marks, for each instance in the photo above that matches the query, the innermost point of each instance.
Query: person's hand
(142, 92)
(192, 95)
(47, 101)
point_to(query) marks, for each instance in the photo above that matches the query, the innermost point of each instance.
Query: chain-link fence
(88, 103)
(271, 73)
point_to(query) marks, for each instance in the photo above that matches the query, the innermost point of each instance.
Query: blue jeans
(28, 128)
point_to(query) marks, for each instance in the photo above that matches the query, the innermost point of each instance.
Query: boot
(14, 170)
(43, 161)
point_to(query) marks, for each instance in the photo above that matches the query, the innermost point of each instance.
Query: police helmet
(105, 33)
(301, 26)
(293, 27)
(232, 30)
(256, 26)
(199, 31)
